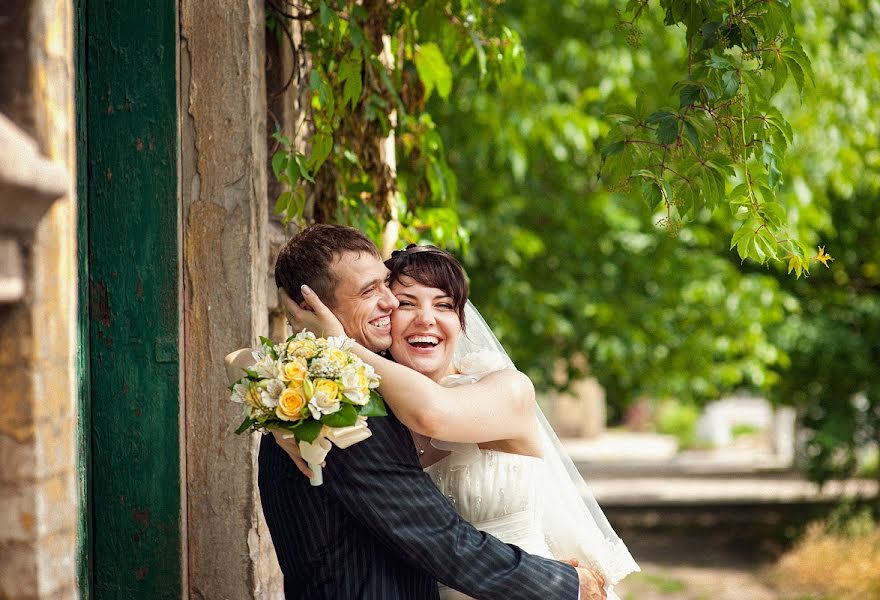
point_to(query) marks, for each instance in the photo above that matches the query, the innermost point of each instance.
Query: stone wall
(225, 253)
(38, 504)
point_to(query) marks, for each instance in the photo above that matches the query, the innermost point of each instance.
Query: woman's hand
(317, 318)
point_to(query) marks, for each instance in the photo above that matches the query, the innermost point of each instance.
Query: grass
(666, 585)
(838, 559)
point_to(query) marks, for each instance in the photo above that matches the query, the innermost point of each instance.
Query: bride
(475, 424)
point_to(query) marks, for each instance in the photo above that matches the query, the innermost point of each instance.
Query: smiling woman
(431, 288)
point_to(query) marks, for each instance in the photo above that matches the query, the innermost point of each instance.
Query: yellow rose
(325, 392)
(336, 357)
(303, 348)
(295, 372)
(290, 404)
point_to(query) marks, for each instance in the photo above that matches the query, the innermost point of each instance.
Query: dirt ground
(688, 568)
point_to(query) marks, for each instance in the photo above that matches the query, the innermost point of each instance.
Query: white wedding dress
(497, 492)
(520, 499)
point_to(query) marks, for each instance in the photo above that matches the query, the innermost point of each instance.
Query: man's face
(363, 302)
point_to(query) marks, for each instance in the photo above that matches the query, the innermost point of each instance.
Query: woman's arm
(498, 407)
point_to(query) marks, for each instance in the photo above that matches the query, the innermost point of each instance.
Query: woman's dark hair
(431, 267)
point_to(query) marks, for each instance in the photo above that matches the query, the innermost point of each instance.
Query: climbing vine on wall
(374, 66)
(373, 157)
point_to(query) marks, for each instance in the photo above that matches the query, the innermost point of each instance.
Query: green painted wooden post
(131, 137)
(83, 430)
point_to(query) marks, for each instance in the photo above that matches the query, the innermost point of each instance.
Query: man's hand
(236, 362)
(317, 318)
(592, 584)
(289, 445)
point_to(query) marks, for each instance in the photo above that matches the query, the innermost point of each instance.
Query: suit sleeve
(381, 484)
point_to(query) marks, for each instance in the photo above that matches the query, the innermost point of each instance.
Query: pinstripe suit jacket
(378, 529)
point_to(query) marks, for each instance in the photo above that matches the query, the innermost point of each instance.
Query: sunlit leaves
(726, 133)
(433, 70)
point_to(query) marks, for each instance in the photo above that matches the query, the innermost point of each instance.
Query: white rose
(324, 400)
(355, 385)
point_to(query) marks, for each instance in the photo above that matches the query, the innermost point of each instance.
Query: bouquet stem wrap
(314, 454)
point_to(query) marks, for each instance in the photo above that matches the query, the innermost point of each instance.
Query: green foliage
(679, 420)
(564, 268)
(722, 143)
(710, 125)
(833, 345)
(374, 66)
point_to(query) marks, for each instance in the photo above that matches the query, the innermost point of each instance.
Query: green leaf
(245, 425)
(730, 79)
(300, 161)
(767, 242)
(774, 213)
(350, 75)
(322, 145)
(344, 417)
(780, 75)
(651, 194)
(794, 53)
(281, 203)
(375, 407)
(688, 94)
(691, 134)
(433, 70)
(667, 126)
(279, 163)
(719, 62)
(481, 53)
(613, 148)
(745, 230)
(308, 430)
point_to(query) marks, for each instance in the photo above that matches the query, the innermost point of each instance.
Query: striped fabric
(378, 529)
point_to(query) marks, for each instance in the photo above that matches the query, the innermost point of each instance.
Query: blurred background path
(703, 524)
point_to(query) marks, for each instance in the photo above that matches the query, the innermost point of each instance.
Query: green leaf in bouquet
(245, 425)
(375, 407)
(251, 374)
(308, 430)
(270, 347)
(344, 417)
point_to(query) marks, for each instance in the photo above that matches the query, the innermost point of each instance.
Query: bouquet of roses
(315, 389)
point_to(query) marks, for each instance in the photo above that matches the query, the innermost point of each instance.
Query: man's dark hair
(432, 267)
(307, 258)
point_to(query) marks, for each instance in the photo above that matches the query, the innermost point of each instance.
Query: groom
(378, 528)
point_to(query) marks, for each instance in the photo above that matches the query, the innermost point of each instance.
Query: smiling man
(378, 528)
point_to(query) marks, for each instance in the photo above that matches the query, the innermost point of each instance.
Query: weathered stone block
(53, 393)
(18, 512)
(50, 495)
(16, 408)
(16, 337)
(18, 571)
(18, 460)
(56, 565)
(55, 447)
